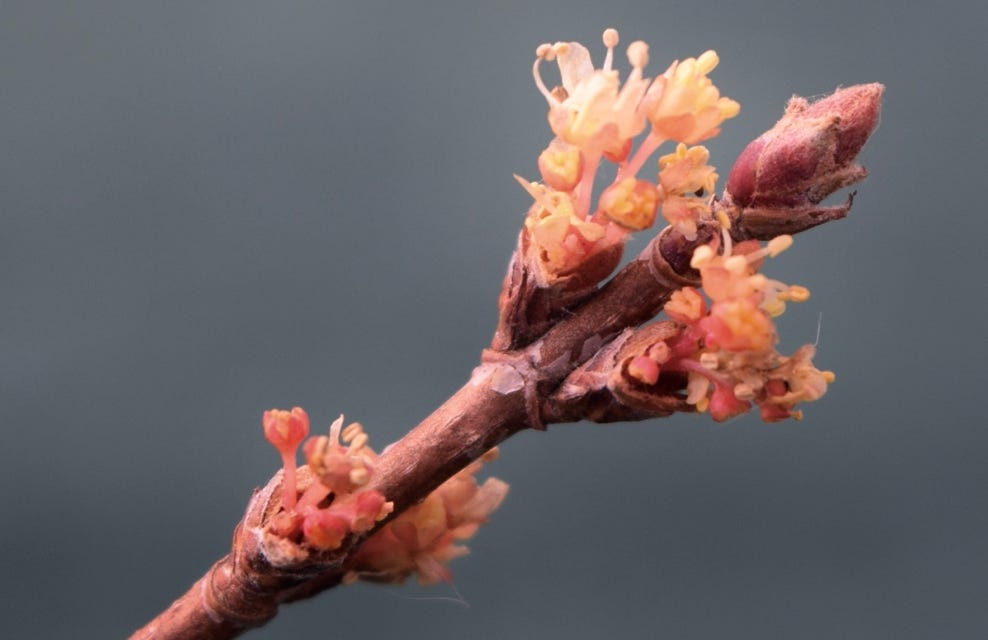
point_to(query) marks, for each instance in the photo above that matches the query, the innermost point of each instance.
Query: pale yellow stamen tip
(797, 415)
(359, 477)
(723, 219)
(611, 38)
(797, 293)
(491, 455)
(828, 376)
(774, 307)
(743, 391)
(638, 54)
(736, 264)
(702, 404)
(358, 442)
(544, 50)
(701, 256)
(707, 61)
(778, 244)
(708, 360)
(659, 352)
(352, 431)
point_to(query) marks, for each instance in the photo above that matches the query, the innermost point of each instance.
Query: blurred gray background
(208, 209)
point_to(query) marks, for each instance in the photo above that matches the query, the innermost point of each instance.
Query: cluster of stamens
(596, 118)
(727, 345)
(338, 502)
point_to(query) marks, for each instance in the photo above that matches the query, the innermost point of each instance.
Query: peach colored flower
(684, 105)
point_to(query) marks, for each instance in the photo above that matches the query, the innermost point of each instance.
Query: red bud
(809, 153)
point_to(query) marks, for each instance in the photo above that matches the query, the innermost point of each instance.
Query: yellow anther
(743, 391)
(352, 431)
(359, 476)
(701, 256)
(659, 352)
(723, 219)
(638, 54)
(708, 360)
(774, 307)
(736, 264)
(611, 38)
(359, 441)
(778, 244)
(797, 293)
(707, 61)
(829, 376)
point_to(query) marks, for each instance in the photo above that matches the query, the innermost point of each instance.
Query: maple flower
(424, 538)
(596, 117)
(593, 111)
(684, 105)
(559, 241)
(286, 430)
(337, 502)
(727, 347)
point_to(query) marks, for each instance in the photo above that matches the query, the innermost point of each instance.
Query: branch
(565, 350)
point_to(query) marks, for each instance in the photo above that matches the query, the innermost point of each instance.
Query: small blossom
(684, 213)
(558, 241)
(631, 203)
(592, 110)
(728, 348)
(423, 539)
(561, 165)
(686, 171)
(684, 105)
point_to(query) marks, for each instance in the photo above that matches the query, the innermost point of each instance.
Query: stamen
(778, 244)
(796, 293)
(708, 360)
(352, 431)
(638, 54)
(701, 256)
(358, 442)
(610, 41)
(544, 52)
(743, 391)
(728, 243)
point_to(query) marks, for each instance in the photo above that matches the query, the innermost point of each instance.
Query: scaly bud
(809, 153)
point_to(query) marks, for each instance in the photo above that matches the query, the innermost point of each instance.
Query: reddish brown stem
(514, 390)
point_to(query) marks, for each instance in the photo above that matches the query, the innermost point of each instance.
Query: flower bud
(809, 153)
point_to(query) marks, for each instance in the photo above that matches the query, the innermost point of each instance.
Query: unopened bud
(809, 153)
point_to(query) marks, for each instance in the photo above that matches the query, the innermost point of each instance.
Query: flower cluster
(727, 347)
(338, 502)
(594, 117)
(423, 539)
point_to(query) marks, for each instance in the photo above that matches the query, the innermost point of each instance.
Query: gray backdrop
(214, 208)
